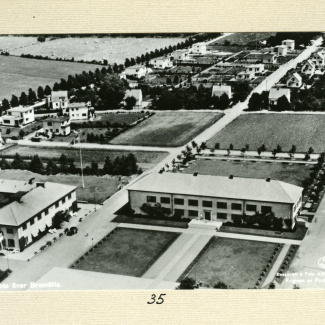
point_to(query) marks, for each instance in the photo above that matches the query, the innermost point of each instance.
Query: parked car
(34, 139)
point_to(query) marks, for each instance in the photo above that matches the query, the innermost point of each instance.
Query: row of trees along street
(124, 165)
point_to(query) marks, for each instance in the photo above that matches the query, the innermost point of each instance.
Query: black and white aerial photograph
(161, 161)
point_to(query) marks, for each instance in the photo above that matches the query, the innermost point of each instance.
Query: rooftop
(279, 92)
(57, 119)
(56, 95)
(21, 109)
(32, 203)
(136, 93)
(74, 105)
(14, 186)
(219, 186)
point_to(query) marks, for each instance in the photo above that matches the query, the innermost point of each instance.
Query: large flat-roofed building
(216, 198)
(30, 210)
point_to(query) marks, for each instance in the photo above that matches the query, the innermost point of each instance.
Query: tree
(36, 165)
(56, 87)
(259, 151)
(18, 163)
(231, 146)
(220, 285)
(4, 164)
(41, 38)
(263, 147)
(47, 90)
(224, 101)
(51, 168)
(243, 151)
(293, 149)
(63, 160)
(310, 150)
(94, 168)
(194, 144)
(40, 92)
(283, 104)
(59, 218)
(307, 156)
(274, 152)
(31, 96)
(255, 102)
(14, 101)
(130, 102)
(5, 104)
(279, 148)
(186, 284)
(203, 145)
(217, 146)
(21, 133)
(23, 99)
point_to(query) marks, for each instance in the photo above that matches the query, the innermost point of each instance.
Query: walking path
(276, 266)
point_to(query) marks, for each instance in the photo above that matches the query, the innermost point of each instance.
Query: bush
(48, 243)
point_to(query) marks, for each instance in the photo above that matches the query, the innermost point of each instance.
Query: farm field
(244, 38)
(19, 74)
(302, 130)
(238, 263)
(9, 43)
(168, 129)
(293, 174)
(105, 186)
(128, 252)
(114, 50)
(144, 158)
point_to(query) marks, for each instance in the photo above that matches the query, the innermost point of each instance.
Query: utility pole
(82, 172)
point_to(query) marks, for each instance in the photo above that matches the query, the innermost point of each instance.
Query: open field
(128, 252)
(88, 155)
(244, 38)
(114, 50)
(168, 129)
(9, 43)
(293, 174)
(238, 263)
(106, 185)
(19, 74)
(301, 130)
(127, 118)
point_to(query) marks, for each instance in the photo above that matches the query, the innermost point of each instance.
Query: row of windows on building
(209, 204)
(39, 216)
(195, 213)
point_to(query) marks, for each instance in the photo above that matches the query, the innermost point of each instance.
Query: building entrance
(207, 215)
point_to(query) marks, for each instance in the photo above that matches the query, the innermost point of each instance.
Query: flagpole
(82, 172)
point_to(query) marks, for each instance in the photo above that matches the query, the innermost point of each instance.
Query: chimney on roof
(195, 173)
(268, 179)
(31, 181)
(231, 176)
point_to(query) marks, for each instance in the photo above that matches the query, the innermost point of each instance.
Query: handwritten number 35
(159, 301)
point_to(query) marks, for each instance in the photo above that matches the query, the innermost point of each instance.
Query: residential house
(294, 81)
(318, 59)
(215, 198)
(181, 55)
(269, 58)
(80, 111)
(289, 44)
(59, 99)
(28, 214)
(137, 71)
(246, 75)
(19, 116)
(282, 50)
(308, 68)
(256, 68)
(276, 93)
(137, 94)
(59, 125)
(199, 48)
(162, 62)
(218, 91)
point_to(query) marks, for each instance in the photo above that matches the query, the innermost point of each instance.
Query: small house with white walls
(282, 50)
(289, 44)
(276, 93)
(181, 55)
(18, 116)
(59, 99)
(318, 59)
(269, 58)
(199, 48)
(59, 125)
(137, 71)
(294, 81)
(162, 62)
(308, 68)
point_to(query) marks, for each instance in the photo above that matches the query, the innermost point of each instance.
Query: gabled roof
(276, 93)
(32, 203)
(14, 186)
(297, 76)
(309, 62)
(219, 187)
(136, 93)
(56, 95)
(320, 54)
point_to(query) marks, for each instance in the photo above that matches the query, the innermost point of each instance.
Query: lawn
(244, 38)
(168, 129)
(128, 252)
(236, 262)
(19, 74)
(144, 158)
(114, 50)
(105, 186)
(301, 130)
(14, 131)
(293, 174)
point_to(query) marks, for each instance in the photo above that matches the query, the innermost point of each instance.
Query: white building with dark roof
(308, 68)
(294, 81)
(30, 211)
(216, 198)
(289, 43)
(59, 99)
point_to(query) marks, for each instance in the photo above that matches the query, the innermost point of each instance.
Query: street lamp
(95, 196)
